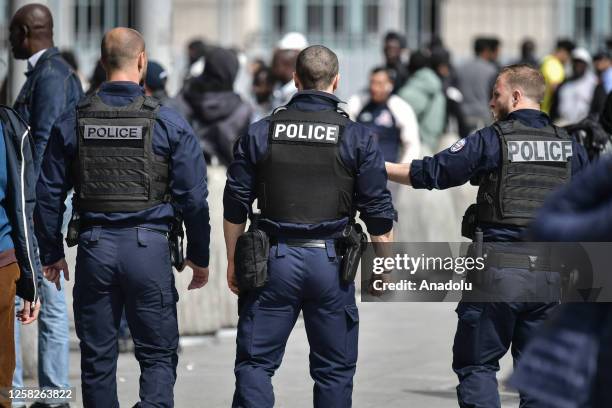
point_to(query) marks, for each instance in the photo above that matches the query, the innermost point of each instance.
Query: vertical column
(154, 21)
(601, 26)
(355, 22)
(296, 16)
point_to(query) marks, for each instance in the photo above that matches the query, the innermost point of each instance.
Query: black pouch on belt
(251, 259)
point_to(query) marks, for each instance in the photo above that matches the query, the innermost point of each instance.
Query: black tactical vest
(534, 163)
(116, 169)
(302, 178)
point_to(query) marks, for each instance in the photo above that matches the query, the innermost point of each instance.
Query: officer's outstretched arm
(398, 172)
(231, 232)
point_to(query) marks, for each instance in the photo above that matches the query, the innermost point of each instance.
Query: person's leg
(8, 278)
(18, 374)
(150, 309)
(483, 336)
(53, 337)
(529, 319)
(267, 317)
(332, 325)
(97, 309)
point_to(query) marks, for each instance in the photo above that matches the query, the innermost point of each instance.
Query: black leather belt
(302, 243)
(518, 261)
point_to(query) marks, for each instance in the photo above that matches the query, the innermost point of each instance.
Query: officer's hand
(29, 313)
(200, 275)
(232, 283)
(382, 278)
(53, 272)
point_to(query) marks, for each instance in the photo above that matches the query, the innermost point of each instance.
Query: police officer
(309, 167)
(133, 164)
(558, 366)
(516, 162)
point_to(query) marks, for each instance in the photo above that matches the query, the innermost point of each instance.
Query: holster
(354, 242)
(469, 222)
(74, 228)
(251, 259)
(175, 240)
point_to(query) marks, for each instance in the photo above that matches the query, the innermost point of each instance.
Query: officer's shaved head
(526, 78)
(121, 48)
(316, 67)
(31, 30)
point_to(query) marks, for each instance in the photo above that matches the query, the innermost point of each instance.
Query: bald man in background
(133, 164)
(51, 88)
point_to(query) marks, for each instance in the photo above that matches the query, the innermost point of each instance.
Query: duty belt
(519, 261)
(302, 243)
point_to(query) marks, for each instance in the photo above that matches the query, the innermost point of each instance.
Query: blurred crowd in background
(413, 98)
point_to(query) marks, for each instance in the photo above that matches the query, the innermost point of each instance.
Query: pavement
(404, 361)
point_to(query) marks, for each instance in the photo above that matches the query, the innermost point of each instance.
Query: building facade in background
(354, 28)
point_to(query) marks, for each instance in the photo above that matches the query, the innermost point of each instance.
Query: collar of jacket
(315, 98)
(51, 52)
(530, 117)
(121, 88)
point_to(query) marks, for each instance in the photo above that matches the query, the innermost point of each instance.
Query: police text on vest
(113, 132)
(539, 150)
(306, 132)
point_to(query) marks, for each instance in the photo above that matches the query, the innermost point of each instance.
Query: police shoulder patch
(458, 145)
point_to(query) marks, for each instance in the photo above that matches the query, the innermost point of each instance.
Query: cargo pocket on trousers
(352, 332)
(467, 338)
(168, 329)
(244, 335)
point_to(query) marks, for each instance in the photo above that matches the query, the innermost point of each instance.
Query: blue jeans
(53, 345)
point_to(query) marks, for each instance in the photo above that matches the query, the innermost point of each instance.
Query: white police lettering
(540, 150)
(306, 132)
(113, 132)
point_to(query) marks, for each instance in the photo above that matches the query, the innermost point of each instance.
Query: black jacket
(21, 200)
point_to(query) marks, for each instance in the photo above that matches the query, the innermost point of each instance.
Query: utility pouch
(469, 222)
(251, 259)
(354, 240)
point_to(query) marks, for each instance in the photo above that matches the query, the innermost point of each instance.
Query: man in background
(51, 87)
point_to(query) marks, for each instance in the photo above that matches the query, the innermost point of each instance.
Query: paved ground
(404, 361)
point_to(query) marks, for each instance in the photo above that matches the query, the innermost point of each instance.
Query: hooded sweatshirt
(423, 92)
(218, 114)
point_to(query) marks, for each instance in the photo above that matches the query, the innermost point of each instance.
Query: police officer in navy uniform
(309, 167)
(570, 363)
(516, 162)
(133, 164)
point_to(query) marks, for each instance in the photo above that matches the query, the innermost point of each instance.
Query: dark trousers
(307, 280)
(117, 268)
(486, 331)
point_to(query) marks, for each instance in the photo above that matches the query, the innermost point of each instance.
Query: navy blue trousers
(307, 280)
(486, 331)
(129, 267)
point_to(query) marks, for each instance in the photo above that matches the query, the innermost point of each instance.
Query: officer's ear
(336, 82)
(296, 82)
(516, 97)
